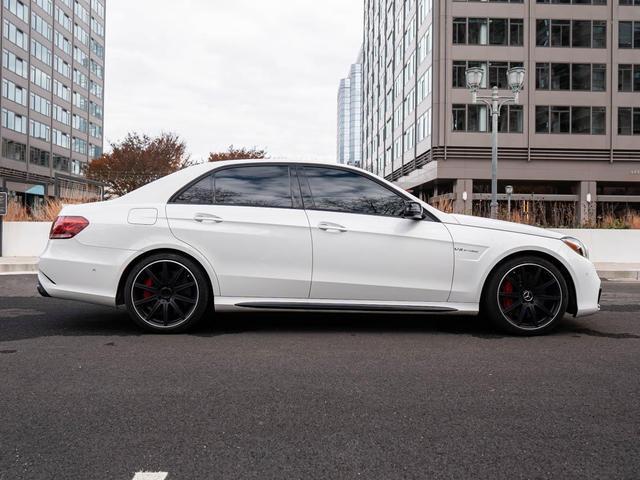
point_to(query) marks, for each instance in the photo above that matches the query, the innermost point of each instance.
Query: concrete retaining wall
(29, 239)
(24, 239)
(609, 246)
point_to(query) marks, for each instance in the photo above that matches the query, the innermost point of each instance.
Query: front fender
(477, 251)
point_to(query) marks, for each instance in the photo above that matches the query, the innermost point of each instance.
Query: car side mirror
(413, 210)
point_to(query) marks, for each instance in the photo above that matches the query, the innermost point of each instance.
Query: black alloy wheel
(166, 293)
(526, 296)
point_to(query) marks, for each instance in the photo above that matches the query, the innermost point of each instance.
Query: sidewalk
(607, 271)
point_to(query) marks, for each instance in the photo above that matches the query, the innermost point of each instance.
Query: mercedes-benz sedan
(267, 235)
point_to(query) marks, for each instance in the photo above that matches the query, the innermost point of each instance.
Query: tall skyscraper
(52, 94)
(350, 116)
(574, 137)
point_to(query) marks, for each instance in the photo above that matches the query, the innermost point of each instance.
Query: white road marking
(150, 476)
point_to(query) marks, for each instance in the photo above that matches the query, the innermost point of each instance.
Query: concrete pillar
(461, 205)
(588, 198)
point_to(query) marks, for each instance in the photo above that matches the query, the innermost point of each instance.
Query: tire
(166, 293)
(526, 295)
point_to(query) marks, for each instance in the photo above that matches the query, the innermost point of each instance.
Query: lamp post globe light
(515, 79)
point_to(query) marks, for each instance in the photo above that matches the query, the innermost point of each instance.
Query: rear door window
(254, 186)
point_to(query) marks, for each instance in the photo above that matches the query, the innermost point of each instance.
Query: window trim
(302, 173)
(213, 171)
(303, 183)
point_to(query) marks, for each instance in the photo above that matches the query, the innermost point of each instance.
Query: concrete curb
(620, 275)
(18, 265)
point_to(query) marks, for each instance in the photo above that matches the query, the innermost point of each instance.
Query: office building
(350, 116)
(574, 137)
(52, 95)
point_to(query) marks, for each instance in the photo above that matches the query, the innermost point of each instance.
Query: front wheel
(166, 293)
(526, 296)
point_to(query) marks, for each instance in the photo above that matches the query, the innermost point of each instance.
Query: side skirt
(345, 307)
(229, 304)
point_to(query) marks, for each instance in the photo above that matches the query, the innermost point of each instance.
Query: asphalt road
(84, 395)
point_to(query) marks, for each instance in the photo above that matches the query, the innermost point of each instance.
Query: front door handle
(331, 227)
(206, 217)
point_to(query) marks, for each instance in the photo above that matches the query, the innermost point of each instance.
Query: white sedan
(284, 235)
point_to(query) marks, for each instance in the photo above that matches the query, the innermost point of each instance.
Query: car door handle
(331, 227)
(206, 217)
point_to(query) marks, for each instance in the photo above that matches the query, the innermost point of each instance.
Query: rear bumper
(73, 271)
(41, 290)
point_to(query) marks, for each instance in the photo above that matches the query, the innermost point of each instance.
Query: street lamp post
(515, 78)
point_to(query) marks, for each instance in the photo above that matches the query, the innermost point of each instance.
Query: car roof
(161, 190)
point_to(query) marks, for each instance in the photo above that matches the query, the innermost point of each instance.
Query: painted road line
(150, 476)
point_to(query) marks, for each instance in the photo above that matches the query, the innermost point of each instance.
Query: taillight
(67, 227)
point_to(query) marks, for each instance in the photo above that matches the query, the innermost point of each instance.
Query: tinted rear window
(255, 186)
(200, 193)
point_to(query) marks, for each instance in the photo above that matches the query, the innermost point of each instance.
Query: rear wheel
(526, 296)
(166, 293)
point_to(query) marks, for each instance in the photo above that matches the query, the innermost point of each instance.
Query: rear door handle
(331, 227)
(206, 217)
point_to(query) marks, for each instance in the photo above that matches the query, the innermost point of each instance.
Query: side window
(200, 193)
(254, 186)
(345, 191)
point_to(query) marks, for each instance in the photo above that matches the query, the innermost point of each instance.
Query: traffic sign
(4, 200)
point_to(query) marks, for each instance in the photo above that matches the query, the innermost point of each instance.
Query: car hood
(481, 222)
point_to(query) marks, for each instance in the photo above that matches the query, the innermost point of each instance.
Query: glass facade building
(350, 116)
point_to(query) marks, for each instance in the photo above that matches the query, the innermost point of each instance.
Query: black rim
(165, 293)
(529, 296)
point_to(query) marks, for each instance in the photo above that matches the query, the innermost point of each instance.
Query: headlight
(577, 246)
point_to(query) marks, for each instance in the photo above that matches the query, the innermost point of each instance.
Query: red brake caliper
(507, 287)
(149, 283)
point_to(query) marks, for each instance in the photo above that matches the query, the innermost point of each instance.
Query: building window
(629, 121)
(15, 35)
(61, 163)
(477, 118)
(41, 26)
(459, 116)
(628, 78)
(459, 30)
(14, 92)
(45, 5)
(511, 119)
(14, 150)
(574, 120)
(39, 157)
(459, 75)
(543, 75)
(409, 136)
(567, 76)
(571, 33)
(488, 31)
(576, 2)
(516, 32)
(39, 130)
(424, 126)
(629, 34)
(629, 2)
(14, 64)
(13, 121)
(18, 8)
(40, 104)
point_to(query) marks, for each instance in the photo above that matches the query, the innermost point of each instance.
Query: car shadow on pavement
(28, 318)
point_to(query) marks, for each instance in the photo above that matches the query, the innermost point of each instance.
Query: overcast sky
(259, 73)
